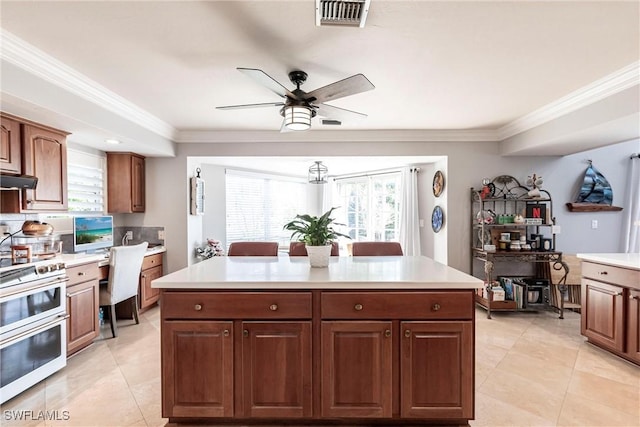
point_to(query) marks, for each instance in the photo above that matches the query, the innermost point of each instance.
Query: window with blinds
(85, 182)
(258, 206)
(372, 206)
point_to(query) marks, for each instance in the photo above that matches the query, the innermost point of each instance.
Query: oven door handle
(43, 285)
(59, 318)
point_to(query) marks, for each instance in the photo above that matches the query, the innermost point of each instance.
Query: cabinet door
(82, 307)
(10, 155)
(356, 359)
(633, 325)
(45, 156)
(197, 369)
(149, 295)
(276, 369)
(603, 314)
(436, 370)
(137, 184)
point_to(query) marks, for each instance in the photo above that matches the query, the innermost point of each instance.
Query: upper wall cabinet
(43, 154)
(126, 183)
(10, 156)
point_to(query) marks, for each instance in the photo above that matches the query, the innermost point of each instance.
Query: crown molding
(21, 54)
(187, 136)
(611, 84)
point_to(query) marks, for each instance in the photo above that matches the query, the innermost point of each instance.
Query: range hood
(17, 182)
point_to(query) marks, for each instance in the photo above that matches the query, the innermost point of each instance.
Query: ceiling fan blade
(349, 86)
(332, 112)
(237, 107)
(267, 81)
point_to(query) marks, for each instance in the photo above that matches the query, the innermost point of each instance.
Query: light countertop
(616, 259)
(71, 260)
(283, 272)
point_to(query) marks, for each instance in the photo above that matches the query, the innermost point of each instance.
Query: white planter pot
(319, 255)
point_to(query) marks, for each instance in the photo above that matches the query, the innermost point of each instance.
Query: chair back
(299, 249)
(125, 265)
(376, 249)
(253, 249)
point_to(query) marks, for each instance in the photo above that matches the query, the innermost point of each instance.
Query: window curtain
(631, 228)
(328, 190)
(409, 221)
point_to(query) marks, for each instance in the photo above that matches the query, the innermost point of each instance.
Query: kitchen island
(270, 340)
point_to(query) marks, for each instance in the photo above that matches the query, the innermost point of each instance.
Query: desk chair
(253, 249)
(376, 249)
(125, 264)
(298, 249)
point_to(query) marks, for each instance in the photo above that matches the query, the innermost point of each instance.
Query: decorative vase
(319, 255)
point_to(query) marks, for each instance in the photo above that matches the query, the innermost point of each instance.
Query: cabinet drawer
(82, 273)
(397, 305)
(151, 261)
(610, 274)
(236, 305)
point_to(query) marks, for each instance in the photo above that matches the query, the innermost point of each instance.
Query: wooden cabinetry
(10, 152)
(125, 183)
(611, 302)
(152, 268)
(307, 356)
(43, 154)
(270, 375)
(504, 207)
(82, 306)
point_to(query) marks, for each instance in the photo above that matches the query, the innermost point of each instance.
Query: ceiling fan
(298, 106)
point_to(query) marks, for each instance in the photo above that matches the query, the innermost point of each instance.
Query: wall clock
(437, 219)
(438, 183)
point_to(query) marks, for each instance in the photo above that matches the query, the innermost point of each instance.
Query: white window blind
(372, 205)
(85, 182)
(259, 205)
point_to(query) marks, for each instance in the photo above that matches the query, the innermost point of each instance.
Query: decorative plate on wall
(437, 219)
(438, 183)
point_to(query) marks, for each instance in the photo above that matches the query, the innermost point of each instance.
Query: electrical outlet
(128, 235)
(161, 234)
(594, 224)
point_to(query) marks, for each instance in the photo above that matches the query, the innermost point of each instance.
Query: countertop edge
(71, 260)
(624, 260)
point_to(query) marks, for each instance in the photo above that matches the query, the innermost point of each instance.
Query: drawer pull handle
(435, 307)
(358, 307)
(387, 333)
(81, 273)
(273, 307)
(633, 297)
(407, 333)
(603, 272)
(197, 307)
(225, 333)
(245, 333)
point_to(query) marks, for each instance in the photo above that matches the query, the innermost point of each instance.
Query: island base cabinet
(276, 370)
(357, 365)
(436, 370)
(197, 369)
(603, 315)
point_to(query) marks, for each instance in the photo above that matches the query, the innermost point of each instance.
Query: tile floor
(532, 369)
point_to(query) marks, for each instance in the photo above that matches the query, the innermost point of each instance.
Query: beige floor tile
(552, 353)
(622, 397)
(599, 362)
(552, 377)
(25, 408)
(577, 411)
(492, 412)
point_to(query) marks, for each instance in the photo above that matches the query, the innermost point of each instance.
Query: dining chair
(376, 249)
(298, 249)
(125, 265)
(253, 249)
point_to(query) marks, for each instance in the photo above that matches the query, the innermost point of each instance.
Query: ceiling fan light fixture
(297, 117)
(318, 173)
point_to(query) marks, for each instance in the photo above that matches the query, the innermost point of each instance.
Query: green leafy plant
(313, 230)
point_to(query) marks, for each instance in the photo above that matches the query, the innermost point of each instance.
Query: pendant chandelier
(318, 173)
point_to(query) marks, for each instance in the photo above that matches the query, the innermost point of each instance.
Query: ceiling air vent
(331, 122)
(350, 13)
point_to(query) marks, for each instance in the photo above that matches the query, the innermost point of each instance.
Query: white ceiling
(436, 65)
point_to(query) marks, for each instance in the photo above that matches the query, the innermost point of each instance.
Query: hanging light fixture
(297, 117)
(318, 173)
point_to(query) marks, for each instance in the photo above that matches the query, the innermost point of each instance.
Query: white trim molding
(21, 54)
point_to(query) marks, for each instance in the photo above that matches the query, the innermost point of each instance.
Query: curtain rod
(635, 156)
(365, 175)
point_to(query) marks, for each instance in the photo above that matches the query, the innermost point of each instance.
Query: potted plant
(317, 233)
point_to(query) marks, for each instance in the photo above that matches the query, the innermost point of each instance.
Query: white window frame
(86, 182)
